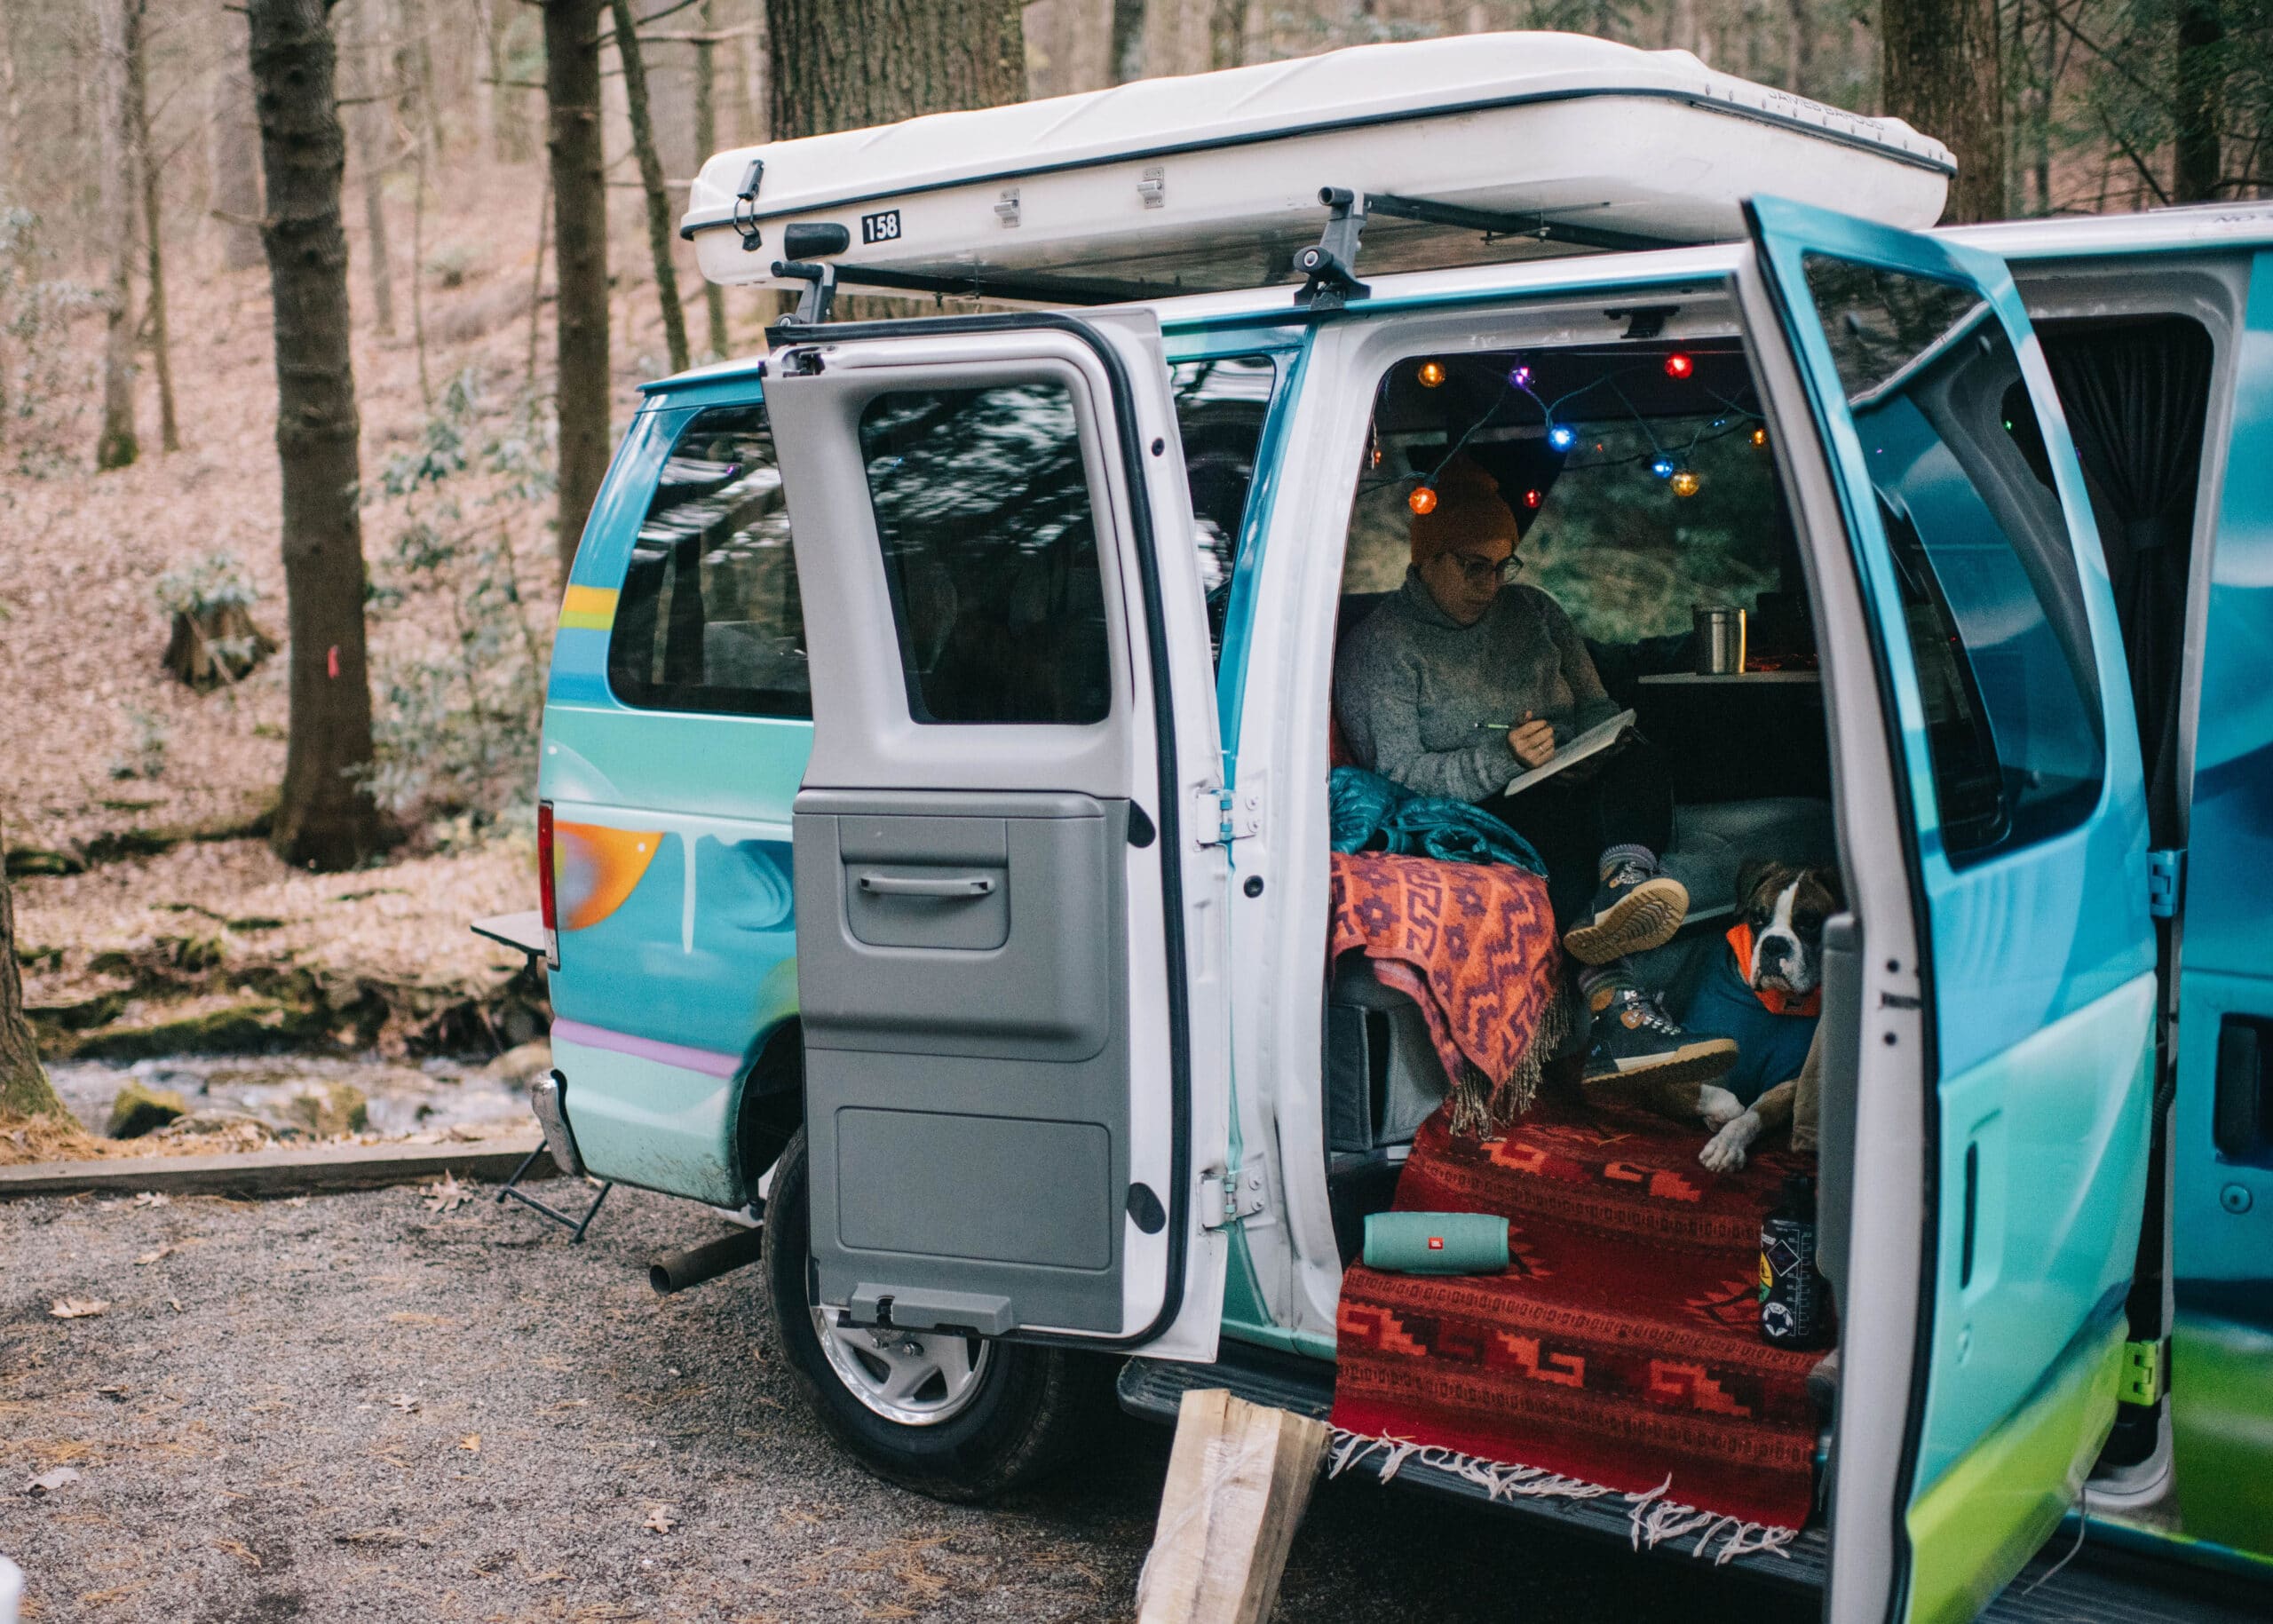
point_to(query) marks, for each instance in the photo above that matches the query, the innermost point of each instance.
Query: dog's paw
(1724, 1152)
(1718, 1107)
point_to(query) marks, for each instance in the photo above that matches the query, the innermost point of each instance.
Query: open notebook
(1590, 742)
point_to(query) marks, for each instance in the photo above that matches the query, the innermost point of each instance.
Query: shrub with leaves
(145, 756)
(41, 384)
(457, 725)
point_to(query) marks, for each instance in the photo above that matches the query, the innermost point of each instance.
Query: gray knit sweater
(1410, 684)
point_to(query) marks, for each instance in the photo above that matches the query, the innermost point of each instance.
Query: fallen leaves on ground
(241, 1551)
(403, 1402)
(446, 1196)
(47, 1482)
(417, 1320)
(660, 1519)
(77, 1307)
(167, 1250)
(470, 1443)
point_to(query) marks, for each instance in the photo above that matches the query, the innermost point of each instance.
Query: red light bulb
(1531, 499)
(1678, 365)
(1422, 500)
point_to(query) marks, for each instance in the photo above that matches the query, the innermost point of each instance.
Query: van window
(1982, 551)
(708, 618)
(1221, 403)
(982, 507)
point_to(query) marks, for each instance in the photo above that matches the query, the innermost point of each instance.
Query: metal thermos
(1791, 1292)
(1720, 640)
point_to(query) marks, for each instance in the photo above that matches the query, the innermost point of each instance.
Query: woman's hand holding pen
(1533, 741)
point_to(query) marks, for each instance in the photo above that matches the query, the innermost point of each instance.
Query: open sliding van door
(1010, 874)
(2001, 670)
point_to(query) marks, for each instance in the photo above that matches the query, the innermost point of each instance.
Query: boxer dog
(1761, 990)
(1783, 908)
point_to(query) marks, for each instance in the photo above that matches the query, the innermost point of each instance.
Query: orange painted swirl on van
(595, 868)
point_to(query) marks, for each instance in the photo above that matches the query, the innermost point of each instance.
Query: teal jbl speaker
(1436, 1242)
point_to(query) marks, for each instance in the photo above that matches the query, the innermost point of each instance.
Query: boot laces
(1629, 873)
(1653, 1012)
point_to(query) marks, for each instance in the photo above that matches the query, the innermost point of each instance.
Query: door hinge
(1225, 1199)
(2142, 1374)
(2165, 880)
(1224, 815)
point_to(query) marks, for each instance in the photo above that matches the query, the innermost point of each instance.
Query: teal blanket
(1371, 813)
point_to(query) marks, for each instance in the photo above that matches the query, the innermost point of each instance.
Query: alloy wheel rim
(916, 1378)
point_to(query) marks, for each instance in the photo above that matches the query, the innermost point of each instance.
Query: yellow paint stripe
(588, 608)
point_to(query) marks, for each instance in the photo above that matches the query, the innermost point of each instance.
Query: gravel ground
(356, 1408)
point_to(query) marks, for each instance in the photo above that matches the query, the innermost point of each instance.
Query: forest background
(510, 278)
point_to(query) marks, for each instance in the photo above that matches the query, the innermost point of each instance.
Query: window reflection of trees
(982, 507)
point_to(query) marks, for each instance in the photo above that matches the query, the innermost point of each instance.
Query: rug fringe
(1651, 1518)
(1482, 1107)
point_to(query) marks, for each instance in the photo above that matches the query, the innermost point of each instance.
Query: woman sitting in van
(1463, 680)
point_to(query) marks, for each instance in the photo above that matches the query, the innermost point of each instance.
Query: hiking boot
(1637, 906)
(1634, 1039)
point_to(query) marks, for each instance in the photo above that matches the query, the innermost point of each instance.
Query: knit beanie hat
(1470, 510)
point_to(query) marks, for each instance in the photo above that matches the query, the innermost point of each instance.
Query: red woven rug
(1621, 1350)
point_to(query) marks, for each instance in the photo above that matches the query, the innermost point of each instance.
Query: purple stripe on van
(703, 1060)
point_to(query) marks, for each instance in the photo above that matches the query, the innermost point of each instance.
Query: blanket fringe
(1482, 1107)
(1651, 1518)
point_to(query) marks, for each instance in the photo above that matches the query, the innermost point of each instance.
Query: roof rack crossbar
(1431, 212)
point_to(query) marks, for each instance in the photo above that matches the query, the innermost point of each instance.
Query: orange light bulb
(1685, 483)
(1422, 500)
(1760, 437)
(1432, 373)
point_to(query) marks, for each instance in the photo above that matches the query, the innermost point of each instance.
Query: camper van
(942, 808)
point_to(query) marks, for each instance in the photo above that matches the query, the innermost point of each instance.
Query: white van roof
(1475, 149)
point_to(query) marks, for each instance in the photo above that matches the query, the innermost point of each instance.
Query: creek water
(404, 1097)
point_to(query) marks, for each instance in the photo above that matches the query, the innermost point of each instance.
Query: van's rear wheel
(954, 1417)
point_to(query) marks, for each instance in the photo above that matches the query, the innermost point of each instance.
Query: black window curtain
(2135, 394)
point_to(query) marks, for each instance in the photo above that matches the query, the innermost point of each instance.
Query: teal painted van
(958, 907)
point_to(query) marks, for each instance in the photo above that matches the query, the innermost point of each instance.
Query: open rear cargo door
(1008, 886)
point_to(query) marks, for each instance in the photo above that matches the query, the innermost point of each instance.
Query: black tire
(1033, 1408)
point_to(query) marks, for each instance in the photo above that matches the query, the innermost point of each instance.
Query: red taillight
(544, 902)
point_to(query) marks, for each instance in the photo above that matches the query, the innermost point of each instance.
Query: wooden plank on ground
(1240, 1476)
(319, 1170)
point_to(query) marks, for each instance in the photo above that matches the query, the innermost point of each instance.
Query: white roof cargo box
(1466, 150)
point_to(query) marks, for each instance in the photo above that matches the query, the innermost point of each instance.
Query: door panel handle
(2241, 1122)
(949, 888)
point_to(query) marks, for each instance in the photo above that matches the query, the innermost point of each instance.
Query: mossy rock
(84, 1016)
(141, 1109)
(330, 1109)
(242, 1029)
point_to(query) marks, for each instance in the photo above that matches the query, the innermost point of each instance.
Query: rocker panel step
(2101, 1584)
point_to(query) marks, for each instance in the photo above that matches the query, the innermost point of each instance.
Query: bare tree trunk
(485, 88)
(24, 1088)
(11, 108)
(417, 52)
(651, 180)
(1128, 41)
(145, 166)
(325, 818)
(233, 150)
(846, 64)
(2195, 174)
(369, 123)
(2048, 72)
(706, 142)
(572, 87)
(419, 274)
(1799, 33)
(1944, 76)
(122, 27)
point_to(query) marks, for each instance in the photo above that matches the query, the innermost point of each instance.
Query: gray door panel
(965, 1001)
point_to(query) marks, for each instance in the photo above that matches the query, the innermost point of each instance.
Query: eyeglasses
(1486, 572)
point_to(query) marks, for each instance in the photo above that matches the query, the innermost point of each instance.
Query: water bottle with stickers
(1791, 1292)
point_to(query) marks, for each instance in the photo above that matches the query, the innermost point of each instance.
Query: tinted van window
(1220, 406)
(1981, 547)
(982, 507)
(708, 618)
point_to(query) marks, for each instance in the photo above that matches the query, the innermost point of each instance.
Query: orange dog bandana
(1777, 1002)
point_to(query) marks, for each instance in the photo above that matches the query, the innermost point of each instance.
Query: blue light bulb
(1662, 467)
(1562, 437)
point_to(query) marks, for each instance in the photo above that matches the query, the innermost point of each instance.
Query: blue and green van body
(2098, 1004)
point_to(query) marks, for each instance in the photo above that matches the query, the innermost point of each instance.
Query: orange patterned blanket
(1475, 947)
